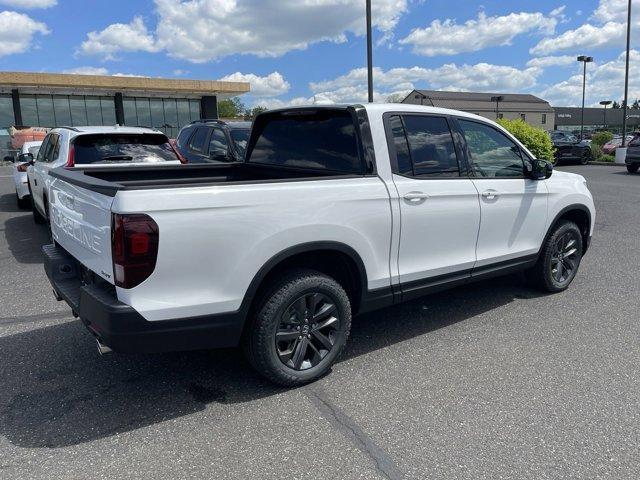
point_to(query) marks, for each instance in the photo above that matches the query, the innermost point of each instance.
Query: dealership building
(570, 119)
(54, 99)
(529, 108)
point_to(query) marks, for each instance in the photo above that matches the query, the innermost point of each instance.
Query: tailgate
(81, 224)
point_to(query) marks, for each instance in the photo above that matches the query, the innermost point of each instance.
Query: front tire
(300, 328)
(633, 167)
(586, 156)
(559, 260)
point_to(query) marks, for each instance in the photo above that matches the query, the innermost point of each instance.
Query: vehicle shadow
(57, 391)
(25, 238)
(8, 203)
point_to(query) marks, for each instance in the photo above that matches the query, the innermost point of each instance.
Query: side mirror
(541, 169)
(219, 155)
(25, 158)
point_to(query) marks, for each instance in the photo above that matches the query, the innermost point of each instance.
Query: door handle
(415, 197)
(35, 182)
(490, 194)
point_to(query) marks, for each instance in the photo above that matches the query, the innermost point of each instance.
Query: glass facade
(166, 114)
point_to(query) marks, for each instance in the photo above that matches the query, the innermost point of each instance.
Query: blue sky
(291, 50)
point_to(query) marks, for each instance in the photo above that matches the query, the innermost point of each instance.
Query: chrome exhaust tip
(103, 349)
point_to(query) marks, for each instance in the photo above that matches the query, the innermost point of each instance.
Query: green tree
(231, 108)
(615, 105)
(396, 98)
(537, 140)
(251, 113)
(636, 104)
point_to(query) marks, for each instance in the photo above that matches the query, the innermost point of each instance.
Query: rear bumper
(121, 327)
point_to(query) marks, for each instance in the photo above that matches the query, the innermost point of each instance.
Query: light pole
(626, 80)
(605, 103)
(497, 99)
(369, 54)
(584, 59)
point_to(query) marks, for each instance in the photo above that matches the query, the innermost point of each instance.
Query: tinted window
(54, 148)
(403, 158)
(43, 149)
(183, 137)
(320, 140)
(198, 139)
(116, 148)
(431, 146)
(240, 139)
(492, 153)
(218, 143)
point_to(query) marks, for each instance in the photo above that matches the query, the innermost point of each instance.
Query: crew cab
(335, 211)
(85, 147)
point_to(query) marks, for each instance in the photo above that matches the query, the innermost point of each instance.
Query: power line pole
(626, 80)
(370, 53)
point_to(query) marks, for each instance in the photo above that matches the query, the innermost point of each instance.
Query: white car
(90, 147)
(25, 158)
(335, 211)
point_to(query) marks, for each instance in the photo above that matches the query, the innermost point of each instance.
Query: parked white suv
(335, 211)
(89, 147)
(25, 158)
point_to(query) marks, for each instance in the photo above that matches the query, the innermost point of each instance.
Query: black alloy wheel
(565, 257)
(586, 156)
(308, 331)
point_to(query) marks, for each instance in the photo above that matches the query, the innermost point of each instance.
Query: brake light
(134, 248)
(71, 159)
(22, 167)
(178, 154)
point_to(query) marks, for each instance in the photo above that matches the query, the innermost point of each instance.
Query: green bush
(600, 138)
(535, 139)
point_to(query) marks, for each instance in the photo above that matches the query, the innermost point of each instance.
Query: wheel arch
(580, 215)
(335, 259)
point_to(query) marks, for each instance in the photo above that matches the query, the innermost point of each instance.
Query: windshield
(123, 147)
(240, 139)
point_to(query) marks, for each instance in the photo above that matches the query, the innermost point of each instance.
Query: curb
(608, 163)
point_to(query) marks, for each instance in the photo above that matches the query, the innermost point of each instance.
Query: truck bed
(109, 180)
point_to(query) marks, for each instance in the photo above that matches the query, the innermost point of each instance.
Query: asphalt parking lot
(487, 381)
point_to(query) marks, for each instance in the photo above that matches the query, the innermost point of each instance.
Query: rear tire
(586, 156)
(37, 217)
(299, 329)
(559, 260)
(633, 167)
(23, 203)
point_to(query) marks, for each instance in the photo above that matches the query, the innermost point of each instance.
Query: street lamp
(626, 82)
(584, 59)
(605, 103)
(497, 99)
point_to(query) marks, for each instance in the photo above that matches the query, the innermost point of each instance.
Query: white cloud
(606, 29)
(17, 31)
(87, 71)
(604, 82)
(479, 77)
(119, 37)
(270, 85)
(29, 4)
(450, 38)
(179, 72)
(557, 61)
(204, 30)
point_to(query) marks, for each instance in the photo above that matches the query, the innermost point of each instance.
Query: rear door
(81, 224)
(513, 206)
(439, 209)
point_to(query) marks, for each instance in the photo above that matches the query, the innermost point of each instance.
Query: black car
(213, 141)
(633, 155)
(568, 147)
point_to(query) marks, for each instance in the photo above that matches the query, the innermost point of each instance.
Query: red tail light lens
(22, 167)
(134, 248)
(71, 159)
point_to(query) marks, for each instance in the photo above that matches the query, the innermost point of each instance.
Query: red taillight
(134, 248)
(22, 167)
(178, 154)
(71, 159)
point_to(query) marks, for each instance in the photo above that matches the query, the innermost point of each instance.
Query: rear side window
(117, 148)
(319, 140)
(424, 146)
(183, 137)
(198, 140)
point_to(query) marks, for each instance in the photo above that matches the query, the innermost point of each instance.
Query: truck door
(439, 205)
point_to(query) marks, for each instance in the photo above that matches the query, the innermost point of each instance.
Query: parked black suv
(569, 147)
(633, 155)
(213, 141)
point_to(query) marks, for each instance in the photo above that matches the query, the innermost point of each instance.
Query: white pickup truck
(337, 210)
